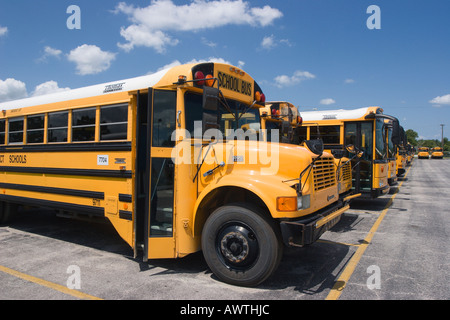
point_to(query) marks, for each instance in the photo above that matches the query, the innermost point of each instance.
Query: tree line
(430, 143)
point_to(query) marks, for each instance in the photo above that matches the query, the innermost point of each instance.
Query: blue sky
(317, 54)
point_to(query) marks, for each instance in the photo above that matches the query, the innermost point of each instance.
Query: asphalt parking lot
(391, 248)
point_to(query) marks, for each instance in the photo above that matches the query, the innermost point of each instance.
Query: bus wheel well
(224, 196)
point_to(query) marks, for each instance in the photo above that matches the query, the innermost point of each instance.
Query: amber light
(287, 203)
(210, 82)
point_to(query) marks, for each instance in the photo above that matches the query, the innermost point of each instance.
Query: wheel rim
(237, 246)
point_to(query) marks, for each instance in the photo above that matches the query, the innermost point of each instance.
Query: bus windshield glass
(380, 140)
(234, 115)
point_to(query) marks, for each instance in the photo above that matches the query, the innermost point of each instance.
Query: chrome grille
(324, 173)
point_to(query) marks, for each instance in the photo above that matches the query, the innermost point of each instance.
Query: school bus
(363, 128)
(391, 132)
(424, 153)
(285, 117)
(437, 153)
(402, 153)
(170, 161)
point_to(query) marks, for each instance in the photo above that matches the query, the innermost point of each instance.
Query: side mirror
(337, 153)
(315, 146)
(210, 118)
(352, 149)
(210, 98)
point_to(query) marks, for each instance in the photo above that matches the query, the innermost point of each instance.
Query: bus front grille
(324, 173)
(346, 172)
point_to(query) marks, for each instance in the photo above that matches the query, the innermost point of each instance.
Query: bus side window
(35, 128)
(113, 122)
(57, 126)
(16, 130)
(2, 131)
(83, 124)
(164, 110)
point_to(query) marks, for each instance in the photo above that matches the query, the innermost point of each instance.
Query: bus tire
(241, 246)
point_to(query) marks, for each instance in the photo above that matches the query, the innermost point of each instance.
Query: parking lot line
(343, 279)
(48, 284)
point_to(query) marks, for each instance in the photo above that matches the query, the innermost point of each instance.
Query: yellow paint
(48, 284)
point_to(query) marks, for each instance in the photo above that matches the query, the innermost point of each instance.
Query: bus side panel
(87, 183)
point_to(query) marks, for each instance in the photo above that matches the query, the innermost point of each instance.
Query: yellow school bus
(392, 142)
(285, 117)
(424, 153)
(365, 129)
(437, 153)
(171, 160)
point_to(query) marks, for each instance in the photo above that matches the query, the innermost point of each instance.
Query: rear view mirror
(315, 146)
(352, 149)
(210, 98)
(210, 119)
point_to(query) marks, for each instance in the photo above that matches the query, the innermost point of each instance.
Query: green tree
(412, 136)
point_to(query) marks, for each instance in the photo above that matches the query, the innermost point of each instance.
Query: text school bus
(285, 117)
(365, 129)
(166, 160)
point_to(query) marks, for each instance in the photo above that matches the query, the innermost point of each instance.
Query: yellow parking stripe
(48, 284)
(342, 281)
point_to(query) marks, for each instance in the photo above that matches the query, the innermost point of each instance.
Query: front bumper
(307, 230)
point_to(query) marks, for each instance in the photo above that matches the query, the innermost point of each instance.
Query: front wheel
(240, 245)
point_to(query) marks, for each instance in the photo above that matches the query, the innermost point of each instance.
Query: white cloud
(50, 52)
(151, 24)
(271, 42)
(47, 88)
(297, 77)
(90, 59)
(349, 81)
(327, 101)
(441, 100)
(177, 63)
(208, 43)
(3, 31)
(12, 89)
(268, 42)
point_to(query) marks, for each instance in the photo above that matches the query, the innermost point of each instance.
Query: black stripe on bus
(125, 198)
(69, 147)
(71, 207)
(126, 215)
(70, 172)
(67, 192)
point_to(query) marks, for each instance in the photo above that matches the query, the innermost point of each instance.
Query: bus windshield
(234, 115)
(380, 140)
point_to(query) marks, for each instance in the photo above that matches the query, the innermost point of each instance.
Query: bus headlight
(303, 202)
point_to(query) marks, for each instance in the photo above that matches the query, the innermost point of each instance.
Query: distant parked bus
(437, 153)
(424, 153)
(366, 130)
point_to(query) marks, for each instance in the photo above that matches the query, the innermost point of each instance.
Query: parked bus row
(193, 158)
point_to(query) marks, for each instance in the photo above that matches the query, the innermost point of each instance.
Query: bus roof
(339, 114)
(95, 90)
